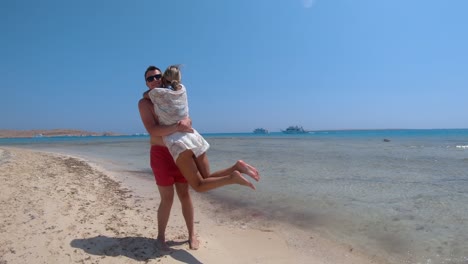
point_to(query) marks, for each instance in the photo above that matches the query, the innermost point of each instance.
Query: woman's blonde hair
(173, 73)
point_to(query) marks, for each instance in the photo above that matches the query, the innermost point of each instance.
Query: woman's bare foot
(239, 179)
(194, 243)
(247, 169)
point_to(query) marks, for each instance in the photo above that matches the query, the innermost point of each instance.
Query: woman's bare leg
(203, 166)
(248, 169)
(188, 166)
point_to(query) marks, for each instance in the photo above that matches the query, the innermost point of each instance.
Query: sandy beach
(62, 209)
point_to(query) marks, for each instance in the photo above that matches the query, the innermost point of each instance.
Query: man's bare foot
(194, 243)
(247, 169)
(239, 179)
(161, 244)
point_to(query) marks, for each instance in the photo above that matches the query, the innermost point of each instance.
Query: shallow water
(406, 199)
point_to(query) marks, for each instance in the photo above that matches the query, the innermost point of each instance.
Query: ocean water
(405, 197)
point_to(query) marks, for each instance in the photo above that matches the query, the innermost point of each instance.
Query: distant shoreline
(4, 133)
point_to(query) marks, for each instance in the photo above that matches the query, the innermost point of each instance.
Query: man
(165, 170)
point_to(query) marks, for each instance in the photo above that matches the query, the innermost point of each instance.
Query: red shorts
(164, 168)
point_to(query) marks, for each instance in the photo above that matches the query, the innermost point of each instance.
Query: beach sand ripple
(58, 209)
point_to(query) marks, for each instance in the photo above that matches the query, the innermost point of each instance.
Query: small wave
(462, 147)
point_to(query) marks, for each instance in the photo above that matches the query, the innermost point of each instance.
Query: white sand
(60, 209)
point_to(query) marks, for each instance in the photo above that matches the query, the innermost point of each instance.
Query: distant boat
(140, 134)
(260, 131)
(295, 130)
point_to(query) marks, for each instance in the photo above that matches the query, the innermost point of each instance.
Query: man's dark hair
(151, 68)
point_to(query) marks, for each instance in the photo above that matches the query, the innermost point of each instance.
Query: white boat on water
(295, 130)
(261, 131)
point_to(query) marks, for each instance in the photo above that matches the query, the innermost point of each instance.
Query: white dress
(172, 106)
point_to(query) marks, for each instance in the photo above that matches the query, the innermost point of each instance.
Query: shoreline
(72, 209)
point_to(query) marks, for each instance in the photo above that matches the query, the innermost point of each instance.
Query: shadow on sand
(137, 248)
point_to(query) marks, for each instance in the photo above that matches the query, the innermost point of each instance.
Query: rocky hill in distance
(5, 133)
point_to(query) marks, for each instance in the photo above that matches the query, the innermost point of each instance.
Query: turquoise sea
(400, 194)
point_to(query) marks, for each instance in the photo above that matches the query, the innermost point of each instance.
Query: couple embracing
(178, 152)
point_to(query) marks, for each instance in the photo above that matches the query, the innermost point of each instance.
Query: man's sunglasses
(154, 77)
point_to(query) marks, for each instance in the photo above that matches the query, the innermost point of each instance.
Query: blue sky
(323, 64)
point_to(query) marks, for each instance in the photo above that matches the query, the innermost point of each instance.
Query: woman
(189, 149)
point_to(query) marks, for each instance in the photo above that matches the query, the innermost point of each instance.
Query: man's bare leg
(188, 213)
(164, 211)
